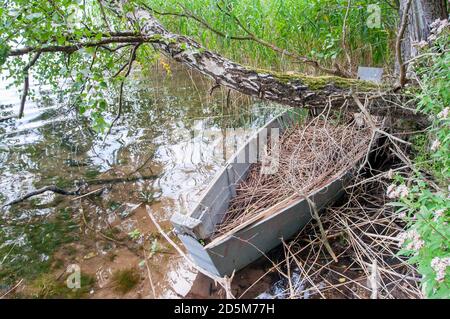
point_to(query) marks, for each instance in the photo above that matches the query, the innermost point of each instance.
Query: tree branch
(102, 10)
(295, 90)
(51, 188)
(250, 37)
(344, 35)
(87, 44)
(26, 84)
(130, 64)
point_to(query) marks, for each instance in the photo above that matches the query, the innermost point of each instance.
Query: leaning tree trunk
(421, 14)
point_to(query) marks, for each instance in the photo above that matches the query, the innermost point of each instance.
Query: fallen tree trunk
(289, 89)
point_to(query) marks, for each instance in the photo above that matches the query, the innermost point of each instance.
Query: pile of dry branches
(310, 156)
(363, 234)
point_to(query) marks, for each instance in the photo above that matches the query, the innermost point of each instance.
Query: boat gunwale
(229, 162)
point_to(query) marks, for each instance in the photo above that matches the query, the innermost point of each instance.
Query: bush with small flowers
(423, 200)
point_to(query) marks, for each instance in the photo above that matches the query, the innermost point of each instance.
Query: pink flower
(402, 237)
(403, 191)
(413, 238)
(444, 113)
(438, 214)
(440, 265)
(390, 192)
(395, 192)
(422, 44)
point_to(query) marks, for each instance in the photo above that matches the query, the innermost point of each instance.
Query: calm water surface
(166, 141)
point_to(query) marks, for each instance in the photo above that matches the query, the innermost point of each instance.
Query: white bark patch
(189, 55)
(214, 67)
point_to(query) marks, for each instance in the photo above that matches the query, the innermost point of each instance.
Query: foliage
(27, 244)
(87, 77)
(425, 202)
(46, 286)
(135, 234)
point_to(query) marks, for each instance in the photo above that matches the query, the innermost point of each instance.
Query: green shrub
(423, 200)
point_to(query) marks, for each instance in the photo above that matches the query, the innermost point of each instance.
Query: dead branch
(323, 234)
(12, 289)
(398, 45)
(135, 39)
(57, 190)
(344, 36)
(42, 190)
(149, 273)
(26, 84)
(122, 82)
(370, 265)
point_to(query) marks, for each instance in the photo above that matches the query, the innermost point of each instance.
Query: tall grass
(308, 27)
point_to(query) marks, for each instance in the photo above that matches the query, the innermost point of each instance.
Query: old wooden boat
(249, 241)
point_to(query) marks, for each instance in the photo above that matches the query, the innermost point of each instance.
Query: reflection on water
(160, 139)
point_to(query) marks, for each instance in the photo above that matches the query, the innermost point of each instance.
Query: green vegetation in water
(29, 243)
(48, 287)
(135, 234)
(125, 280)
(92, 173)
(147, 196)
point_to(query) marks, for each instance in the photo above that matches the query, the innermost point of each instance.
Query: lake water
(163, 151)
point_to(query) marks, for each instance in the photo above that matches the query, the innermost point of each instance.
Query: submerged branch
(52, 188)
(57, 190)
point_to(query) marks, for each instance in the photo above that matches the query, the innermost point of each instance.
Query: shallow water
(167, 139)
